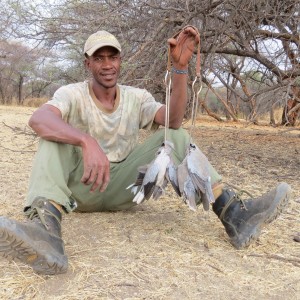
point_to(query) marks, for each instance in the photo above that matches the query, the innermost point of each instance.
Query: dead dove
(198, 169)
(186, 186)
(154, 177)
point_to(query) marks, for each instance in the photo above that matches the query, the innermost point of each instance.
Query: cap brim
(91, 51)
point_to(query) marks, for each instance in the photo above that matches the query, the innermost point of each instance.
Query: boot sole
(280, 202)
(17, 246)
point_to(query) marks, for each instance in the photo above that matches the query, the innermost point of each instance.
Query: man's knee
(179, 133)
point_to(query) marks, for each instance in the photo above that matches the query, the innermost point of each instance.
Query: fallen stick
(295, 262)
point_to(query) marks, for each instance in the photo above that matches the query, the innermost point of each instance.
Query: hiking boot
(244, 219)
(36, 242)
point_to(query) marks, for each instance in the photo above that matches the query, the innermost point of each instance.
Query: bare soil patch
(162, 250)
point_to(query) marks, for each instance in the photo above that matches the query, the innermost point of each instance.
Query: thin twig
(20, 130)
(12, 150)
(295, 262)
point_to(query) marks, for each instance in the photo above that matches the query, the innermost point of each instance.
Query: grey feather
(139, 180)
(172, 177)
(186, 186)
(159, 190)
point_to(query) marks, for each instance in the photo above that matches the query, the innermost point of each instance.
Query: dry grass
(265, 118)
(34, 102)
(162, 250)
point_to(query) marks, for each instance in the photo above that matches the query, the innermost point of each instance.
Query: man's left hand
(182, 47)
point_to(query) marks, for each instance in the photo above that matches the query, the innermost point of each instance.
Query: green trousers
(58, 168)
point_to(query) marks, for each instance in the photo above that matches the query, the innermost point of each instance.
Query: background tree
(249, 47)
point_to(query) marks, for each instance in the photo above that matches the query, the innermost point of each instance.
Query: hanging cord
(168, 81)
(195, 102)
(196, 86)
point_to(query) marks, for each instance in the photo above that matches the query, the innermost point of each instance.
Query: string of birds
(190, 179)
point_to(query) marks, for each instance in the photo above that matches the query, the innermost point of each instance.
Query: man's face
(105, 65)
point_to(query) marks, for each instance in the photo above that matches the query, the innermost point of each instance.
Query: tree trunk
(230, 112)
(290, 113)
(272, 117)
(291, 110)
(210, 113)
(20, 87)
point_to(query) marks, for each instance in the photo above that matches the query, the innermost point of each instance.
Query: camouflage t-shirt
(117, 130)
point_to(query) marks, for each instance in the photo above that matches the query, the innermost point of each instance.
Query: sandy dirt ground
(163, 250)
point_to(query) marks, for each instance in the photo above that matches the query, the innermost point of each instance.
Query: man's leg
(53, 164)
(37, 241)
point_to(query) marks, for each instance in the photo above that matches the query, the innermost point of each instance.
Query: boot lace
(236, 197)
(36, 212)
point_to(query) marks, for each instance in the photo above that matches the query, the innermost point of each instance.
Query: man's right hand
(96, 165)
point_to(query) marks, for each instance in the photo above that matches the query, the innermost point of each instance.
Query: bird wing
(205, 201)
(139, 197)
(139, 179)
(159, 190)
(198, 182)
(171, 175)
(182, 173)
(190, 194)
